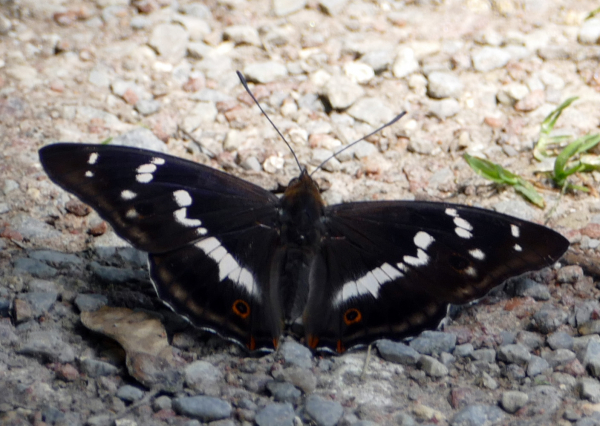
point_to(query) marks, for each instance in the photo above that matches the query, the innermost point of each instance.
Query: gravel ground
(474, 76)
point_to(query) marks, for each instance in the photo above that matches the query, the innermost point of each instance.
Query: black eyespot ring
(241, 308)
(352, 316)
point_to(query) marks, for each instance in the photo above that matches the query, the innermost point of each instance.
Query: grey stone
(203, 113)
(490, 58)
(589, 389)
(287, 7)
(478, 415)
(549, 318)
(34, 267)
(197, 10)
(163, 402)
(444, 109)
(47, 345)
(559, 357)
(90, 302)
(548, 399)
(464, 350)
(372, 111)
(530, 339)
(379, 60)
(485, 355)
(560, 340)
(140, 137)
(170, 41)
(421, 145)
(444, 85)
(323, 412)
(302, 378)
(130, 393)
(512, 401)
(197, 28)
(96, 368)
(397, 352)
(508, 337)
(199, 50)
(39, 302)
(147, 106)
(296, 354)
(433, 342)
(242, 34)
(43, 286)
(590, 352)
(265, 72)
(432, 366)
(111, 274)
(569, 274)
(203, 377)
(203, 408)
(284, 392)
(342, 93)
(405, 63)
(56, 258)
(7, 333)
(536, 366)
(278, 414)
(33, 229)
(122, 87)
(517, 354)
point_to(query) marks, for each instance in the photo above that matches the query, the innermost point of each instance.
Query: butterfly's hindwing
(392, 268)
(210, 236)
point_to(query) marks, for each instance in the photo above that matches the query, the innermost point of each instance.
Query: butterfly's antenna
(245, 84)
(335, 154)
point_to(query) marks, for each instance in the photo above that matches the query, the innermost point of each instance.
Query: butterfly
(237, 260)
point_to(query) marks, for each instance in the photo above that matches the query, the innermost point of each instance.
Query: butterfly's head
(301, 210)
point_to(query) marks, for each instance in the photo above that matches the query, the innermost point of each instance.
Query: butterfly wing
(390, 269)
(210, 236)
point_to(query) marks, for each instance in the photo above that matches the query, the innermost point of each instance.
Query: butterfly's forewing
(392, 268)
(210, 235)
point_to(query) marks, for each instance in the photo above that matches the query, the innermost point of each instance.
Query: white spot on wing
(93, 158)
(517, 247)
(368, 284)
(515, 231)
(463, 233)
(89, 174)
(131, 214)
(461, 223)
(391, 272)
(420, 260)
(451, 212)
(228, 266)
(477, 254)
(181, 218)
(423, 240)
(144, 177)
(146, 168)
(128, 195)
(158, 161)
(182, 198)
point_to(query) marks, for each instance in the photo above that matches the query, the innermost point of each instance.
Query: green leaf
(499, 174)
(592, 14)
(107, 141)
(563, 169)
(541, 148)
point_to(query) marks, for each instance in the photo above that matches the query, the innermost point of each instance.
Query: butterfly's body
(237, 260)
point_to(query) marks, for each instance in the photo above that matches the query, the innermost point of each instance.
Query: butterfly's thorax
(301, 229)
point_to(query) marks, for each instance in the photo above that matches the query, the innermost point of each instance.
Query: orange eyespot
(241, 308)
(352, 316)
